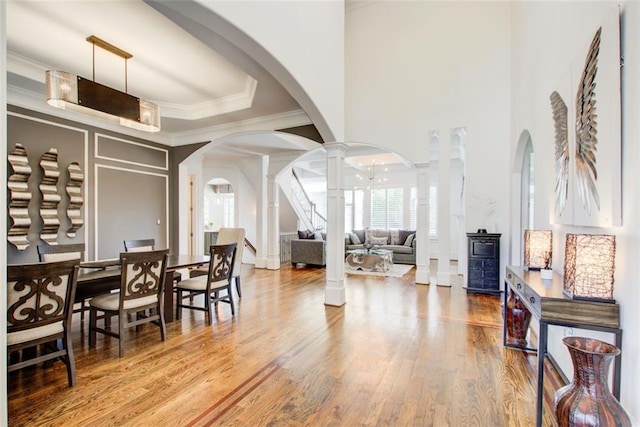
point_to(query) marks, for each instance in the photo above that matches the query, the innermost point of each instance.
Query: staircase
(304, 207)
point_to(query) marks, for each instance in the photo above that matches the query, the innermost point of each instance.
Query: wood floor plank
(396, 354)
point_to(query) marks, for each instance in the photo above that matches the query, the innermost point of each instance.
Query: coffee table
(369, 259)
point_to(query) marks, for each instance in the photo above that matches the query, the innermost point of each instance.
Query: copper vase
(518, 319)
(587, 401)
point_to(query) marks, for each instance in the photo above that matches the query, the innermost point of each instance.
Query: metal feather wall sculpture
(50, 196)
(74, 190)
(560, 119)
(20, 196)
(586, 129)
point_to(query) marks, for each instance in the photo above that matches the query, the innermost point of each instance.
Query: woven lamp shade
(589, 265)
(537, 249)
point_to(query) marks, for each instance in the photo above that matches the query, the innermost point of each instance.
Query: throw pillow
(311, 235)
(378, 240)
(302, 234)
(394, 237)
(409, 240)
(403, 234)
(360, 234)
(316, 236)
(355, 240)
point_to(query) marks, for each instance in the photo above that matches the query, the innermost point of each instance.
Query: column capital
(335, 146)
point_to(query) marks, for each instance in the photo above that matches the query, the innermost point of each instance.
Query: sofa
(309, 248)
(401, 242)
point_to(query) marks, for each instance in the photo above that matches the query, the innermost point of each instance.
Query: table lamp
(538, 249)
(589, 264)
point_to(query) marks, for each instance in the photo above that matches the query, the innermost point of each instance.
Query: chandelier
(373, 175)
(75, 93)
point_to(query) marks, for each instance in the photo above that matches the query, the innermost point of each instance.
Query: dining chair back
(65, 252)
(139, 245)
(39, 310)
(234, 235)
(146, 245)
(141, 294)
(213, 285)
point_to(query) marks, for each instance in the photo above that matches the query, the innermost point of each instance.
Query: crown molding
(227, 104)
(35, 71)
(34, 101)
(266, 123)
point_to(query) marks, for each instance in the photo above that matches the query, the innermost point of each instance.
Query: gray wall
(127, 184)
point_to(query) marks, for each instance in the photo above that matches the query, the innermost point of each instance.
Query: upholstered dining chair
(39, 310)
(65, 252)
(235, 235)
(141, 291)
(218, 280)
(146, 245)
(228, 235)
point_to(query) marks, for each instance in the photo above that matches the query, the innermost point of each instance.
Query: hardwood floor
(396, 354)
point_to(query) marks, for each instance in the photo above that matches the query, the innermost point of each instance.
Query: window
(531, 205)
(227, 210)
(433, 211)
(386, 208)
(413, 208)
(527, 188)
(353, 203)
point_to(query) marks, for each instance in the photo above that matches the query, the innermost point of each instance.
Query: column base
(423, 277)
(334, 294)
(444, 279)
(273, 263)
(261, 263)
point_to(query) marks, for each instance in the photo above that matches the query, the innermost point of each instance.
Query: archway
(522, 194)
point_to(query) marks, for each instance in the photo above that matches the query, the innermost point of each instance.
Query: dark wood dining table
(102, 276)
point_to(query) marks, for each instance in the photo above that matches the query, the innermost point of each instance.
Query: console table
(527, 296)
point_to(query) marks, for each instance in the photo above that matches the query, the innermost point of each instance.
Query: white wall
(307, 39)
(287, 215)
(413, 67)
(244, 190)
(546, 37)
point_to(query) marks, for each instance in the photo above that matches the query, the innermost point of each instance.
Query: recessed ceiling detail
(195, 86)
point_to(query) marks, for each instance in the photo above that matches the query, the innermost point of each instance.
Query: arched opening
(523, 194)
(218, 208)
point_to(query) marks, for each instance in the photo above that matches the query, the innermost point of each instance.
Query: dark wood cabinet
(483, 265)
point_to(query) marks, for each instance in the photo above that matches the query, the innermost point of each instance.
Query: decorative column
(422, 227)
(273, 223)
(461, 135)
(444, 212)
(262, 209)
(334, 293)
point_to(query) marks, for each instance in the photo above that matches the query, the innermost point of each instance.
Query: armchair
(307, 251)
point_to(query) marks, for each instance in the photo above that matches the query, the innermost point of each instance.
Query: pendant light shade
(75, 93)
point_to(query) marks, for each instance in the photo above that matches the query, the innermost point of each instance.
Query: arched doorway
(218, 205)
(522, 194)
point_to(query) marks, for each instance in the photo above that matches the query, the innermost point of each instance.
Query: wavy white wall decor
(50, 196)
(74, 190)
(19, 198)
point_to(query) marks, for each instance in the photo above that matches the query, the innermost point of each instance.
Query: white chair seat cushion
(35, 333)
(112, 302)
(200, 284)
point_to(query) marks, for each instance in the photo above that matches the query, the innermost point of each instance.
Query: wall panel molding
(108, 147)
(128, 213)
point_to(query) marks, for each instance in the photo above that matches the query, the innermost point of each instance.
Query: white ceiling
(195, 87)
